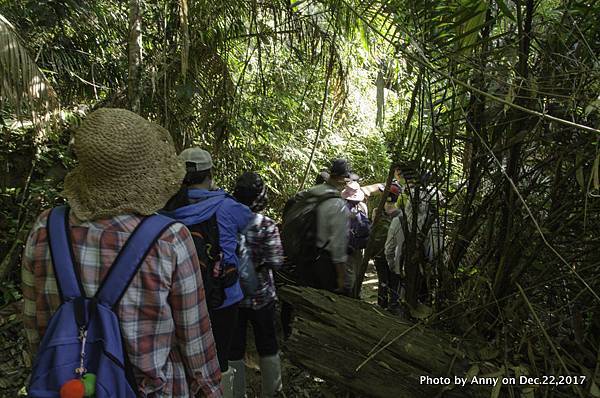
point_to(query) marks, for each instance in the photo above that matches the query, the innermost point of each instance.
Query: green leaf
(473, 371)
(294, 5)
(364, 39)
(496, 389)
(488, 353)
(472, 18)
(22, 83)
(594, 390)
(592, 107)
(505, 10)
(528, 392)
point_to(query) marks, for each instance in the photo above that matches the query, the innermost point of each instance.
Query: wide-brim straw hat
(126, 165)
(353, 192)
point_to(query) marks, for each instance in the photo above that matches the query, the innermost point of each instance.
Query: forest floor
(15, 363)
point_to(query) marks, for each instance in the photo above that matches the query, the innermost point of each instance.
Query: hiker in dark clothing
(315, 231)
(262, 240)
(196, 203)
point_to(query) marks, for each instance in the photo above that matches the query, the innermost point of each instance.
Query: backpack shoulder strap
(310, 198)
(61, 252)
(130, 258)
(325, 197)
(329, 195)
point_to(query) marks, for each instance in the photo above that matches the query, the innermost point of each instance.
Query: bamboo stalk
(320, 125)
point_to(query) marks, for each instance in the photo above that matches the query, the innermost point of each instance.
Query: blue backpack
(84, 335)
(360, 228)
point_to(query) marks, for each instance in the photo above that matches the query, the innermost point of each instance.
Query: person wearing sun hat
(353, 193)
(127, 170)
(126, 165)
(358, 233)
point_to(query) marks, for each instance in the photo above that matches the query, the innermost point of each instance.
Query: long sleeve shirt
(333, 220)
(394, 244)
(232, 218)
(163, 314)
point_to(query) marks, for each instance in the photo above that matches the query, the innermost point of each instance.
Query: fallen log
(340, 340)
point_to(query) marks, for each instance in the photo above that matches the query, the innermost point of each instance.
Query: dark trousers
(388, 284)
(223, 323)
(263, 325)
(320, 273)
(287, 315)
(395, 286)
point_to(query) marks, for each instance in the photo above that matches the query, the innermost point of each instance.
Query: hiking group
(144, 283)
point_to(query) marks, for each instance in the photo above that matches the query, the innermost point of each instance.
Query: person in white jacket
(395, 243)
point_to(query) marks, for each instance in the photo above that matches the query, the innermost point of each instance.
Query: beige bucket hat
(126, 165)
(353, 192)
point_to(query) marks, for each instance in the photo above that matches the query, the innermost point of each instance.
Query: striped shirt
(163, 315)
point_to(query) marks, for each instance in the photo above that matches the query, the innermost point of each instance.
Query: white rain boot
(227, 382)
(239, 380)
(270, 372)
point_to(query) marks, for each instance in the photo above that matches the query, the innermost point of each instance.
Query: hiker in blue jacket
(196, 203)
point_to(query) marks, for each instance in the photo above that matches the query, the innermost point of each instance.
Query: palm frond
(22, 83)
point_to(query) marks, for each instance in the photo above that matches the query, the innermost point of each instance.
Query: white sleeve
(390, 243)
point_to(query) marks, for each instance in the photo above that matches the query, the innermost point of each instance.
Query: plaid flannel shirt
(163, 315)
(264, 242)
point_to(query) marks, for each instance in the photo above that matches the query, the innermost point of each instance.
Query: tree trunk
(185, 37)
(135, 55)
(339, 339)
(321, 115)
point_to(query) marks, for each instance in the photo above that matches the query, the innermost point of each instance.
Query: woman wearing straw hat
(127, 170)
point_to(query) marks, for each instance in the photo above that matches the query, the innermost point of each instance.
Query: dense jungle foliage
(494, 103)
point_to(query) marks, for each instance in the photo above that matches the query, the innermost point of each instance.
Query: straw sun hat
(126, 165)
